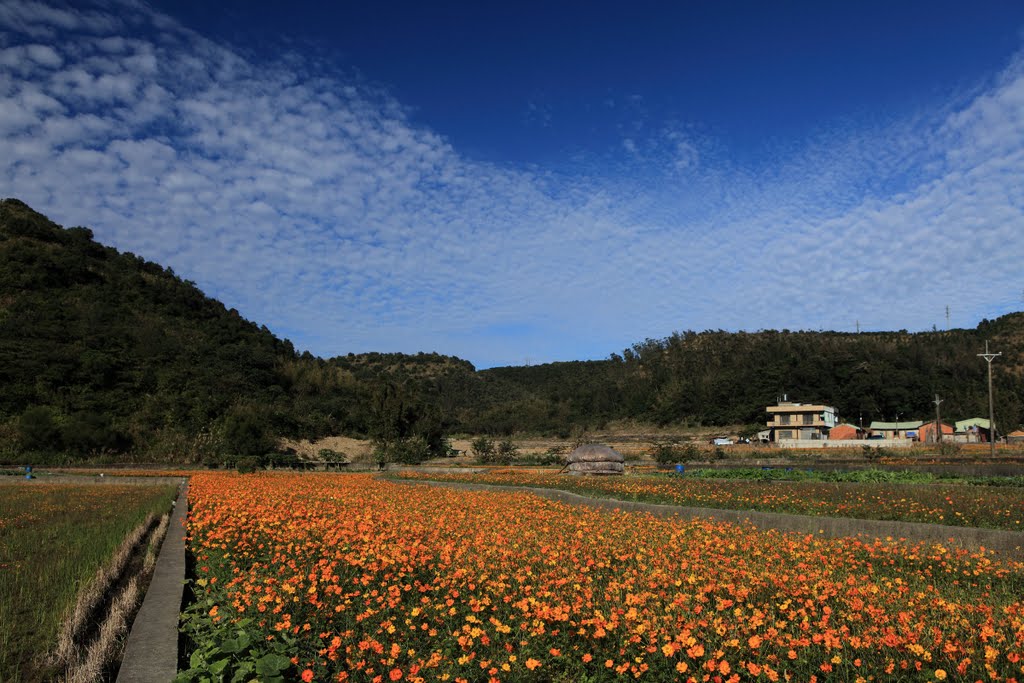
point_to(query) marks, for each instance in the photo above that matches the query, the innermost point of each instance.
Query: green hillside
(721, 378)
(105, 354)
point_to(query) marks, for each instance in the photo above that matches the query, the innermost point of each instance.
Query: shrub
(248, 464)
(332, 455)
(949, 449)
(483, 449)
(506, 452)
(690, 452)
(666, 452)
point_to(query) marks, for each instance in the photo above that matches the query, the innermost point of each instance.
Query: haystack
(593, 458)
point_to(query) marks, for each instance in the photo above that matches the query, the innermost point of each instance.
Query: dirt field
(355, 450)
(631, 443)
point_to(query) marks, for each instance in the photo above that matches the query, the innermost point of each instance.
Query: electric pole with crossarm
(989, 357)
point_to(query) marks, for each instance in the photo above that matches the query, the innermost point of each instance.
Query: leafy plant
(483, 449)
(506, 452)
(235, 652)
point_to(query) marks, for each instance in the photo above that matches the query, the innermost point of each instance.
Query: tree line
(106, 354)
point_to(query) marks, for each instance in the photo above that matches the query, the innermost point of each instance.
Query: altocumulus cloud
(311, 203)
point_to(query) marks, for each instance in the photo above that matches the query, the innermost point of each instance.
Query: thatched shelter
(594, 458)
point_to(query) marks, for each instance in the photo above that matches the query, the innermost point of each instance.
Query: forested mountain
(721, 378)
(104, 352)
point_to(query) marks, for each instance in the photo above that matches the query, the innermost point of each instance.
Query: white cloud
(312, 204)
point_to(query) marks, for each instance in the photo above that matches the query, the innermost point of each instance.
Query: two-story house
(802, 421)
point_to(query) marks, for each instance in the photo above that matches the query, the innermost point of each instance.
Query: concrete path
(151, 653)
(1008, 544)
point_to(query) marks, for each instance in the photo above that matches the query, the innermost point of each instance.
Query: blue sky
(535, 181)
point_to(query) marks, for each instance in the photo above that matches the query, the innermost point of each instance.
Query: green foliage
(506, 452)
(246, 432)
(248, 464)
(223, 652)
(38, 430)
(550, 457)
(483, 449)
(670, 452)
(123, 353)
(666, 452)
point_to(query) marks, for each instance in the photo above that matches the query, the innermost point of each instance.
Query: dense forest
(106, 354)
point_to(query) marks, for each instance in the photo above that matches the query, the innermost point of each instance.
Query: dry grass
(108, 642)
(155, 541)
(91, 639)
(86, 613)
(358, 450)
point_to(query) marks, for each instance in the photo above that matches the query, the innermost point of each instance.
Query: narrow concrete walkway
(1008, 544)
(151, 653)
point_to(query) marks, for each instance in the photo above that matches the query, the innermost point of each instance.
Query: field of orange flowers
(949, 504)
(335, 577)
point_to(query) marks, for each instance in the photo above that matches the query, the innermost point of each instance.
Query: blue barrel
(680, 469)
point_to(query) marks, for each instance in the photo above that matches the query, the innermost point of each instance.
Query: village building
(800, 421)
(926, 434)
(904, 429)
(973, 430)
(846, 432)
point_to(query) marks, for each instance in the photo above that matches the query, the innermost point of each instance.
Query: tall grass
(53, 540)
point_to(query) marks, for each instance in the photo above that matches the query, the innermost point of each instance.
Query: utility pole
(938, 422)
(858, 327)
(989, 357)
(947, 316)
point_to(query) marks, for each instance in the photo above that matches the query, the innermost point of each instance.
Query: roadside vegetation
(56, 542)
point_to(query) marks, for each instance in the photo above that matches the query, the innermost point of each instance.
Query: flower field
(344, 577)
(949, 504)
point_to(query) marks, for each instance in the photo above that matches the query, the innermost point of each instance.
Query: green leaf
(271, 665)
(196, 660)
(217, 667)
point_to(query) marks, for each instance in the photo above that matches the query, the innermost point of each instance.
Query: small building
(800, 421)
(973, 430)
(845, 432)
(1016, 436)
(926, 433)
(904, 429)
